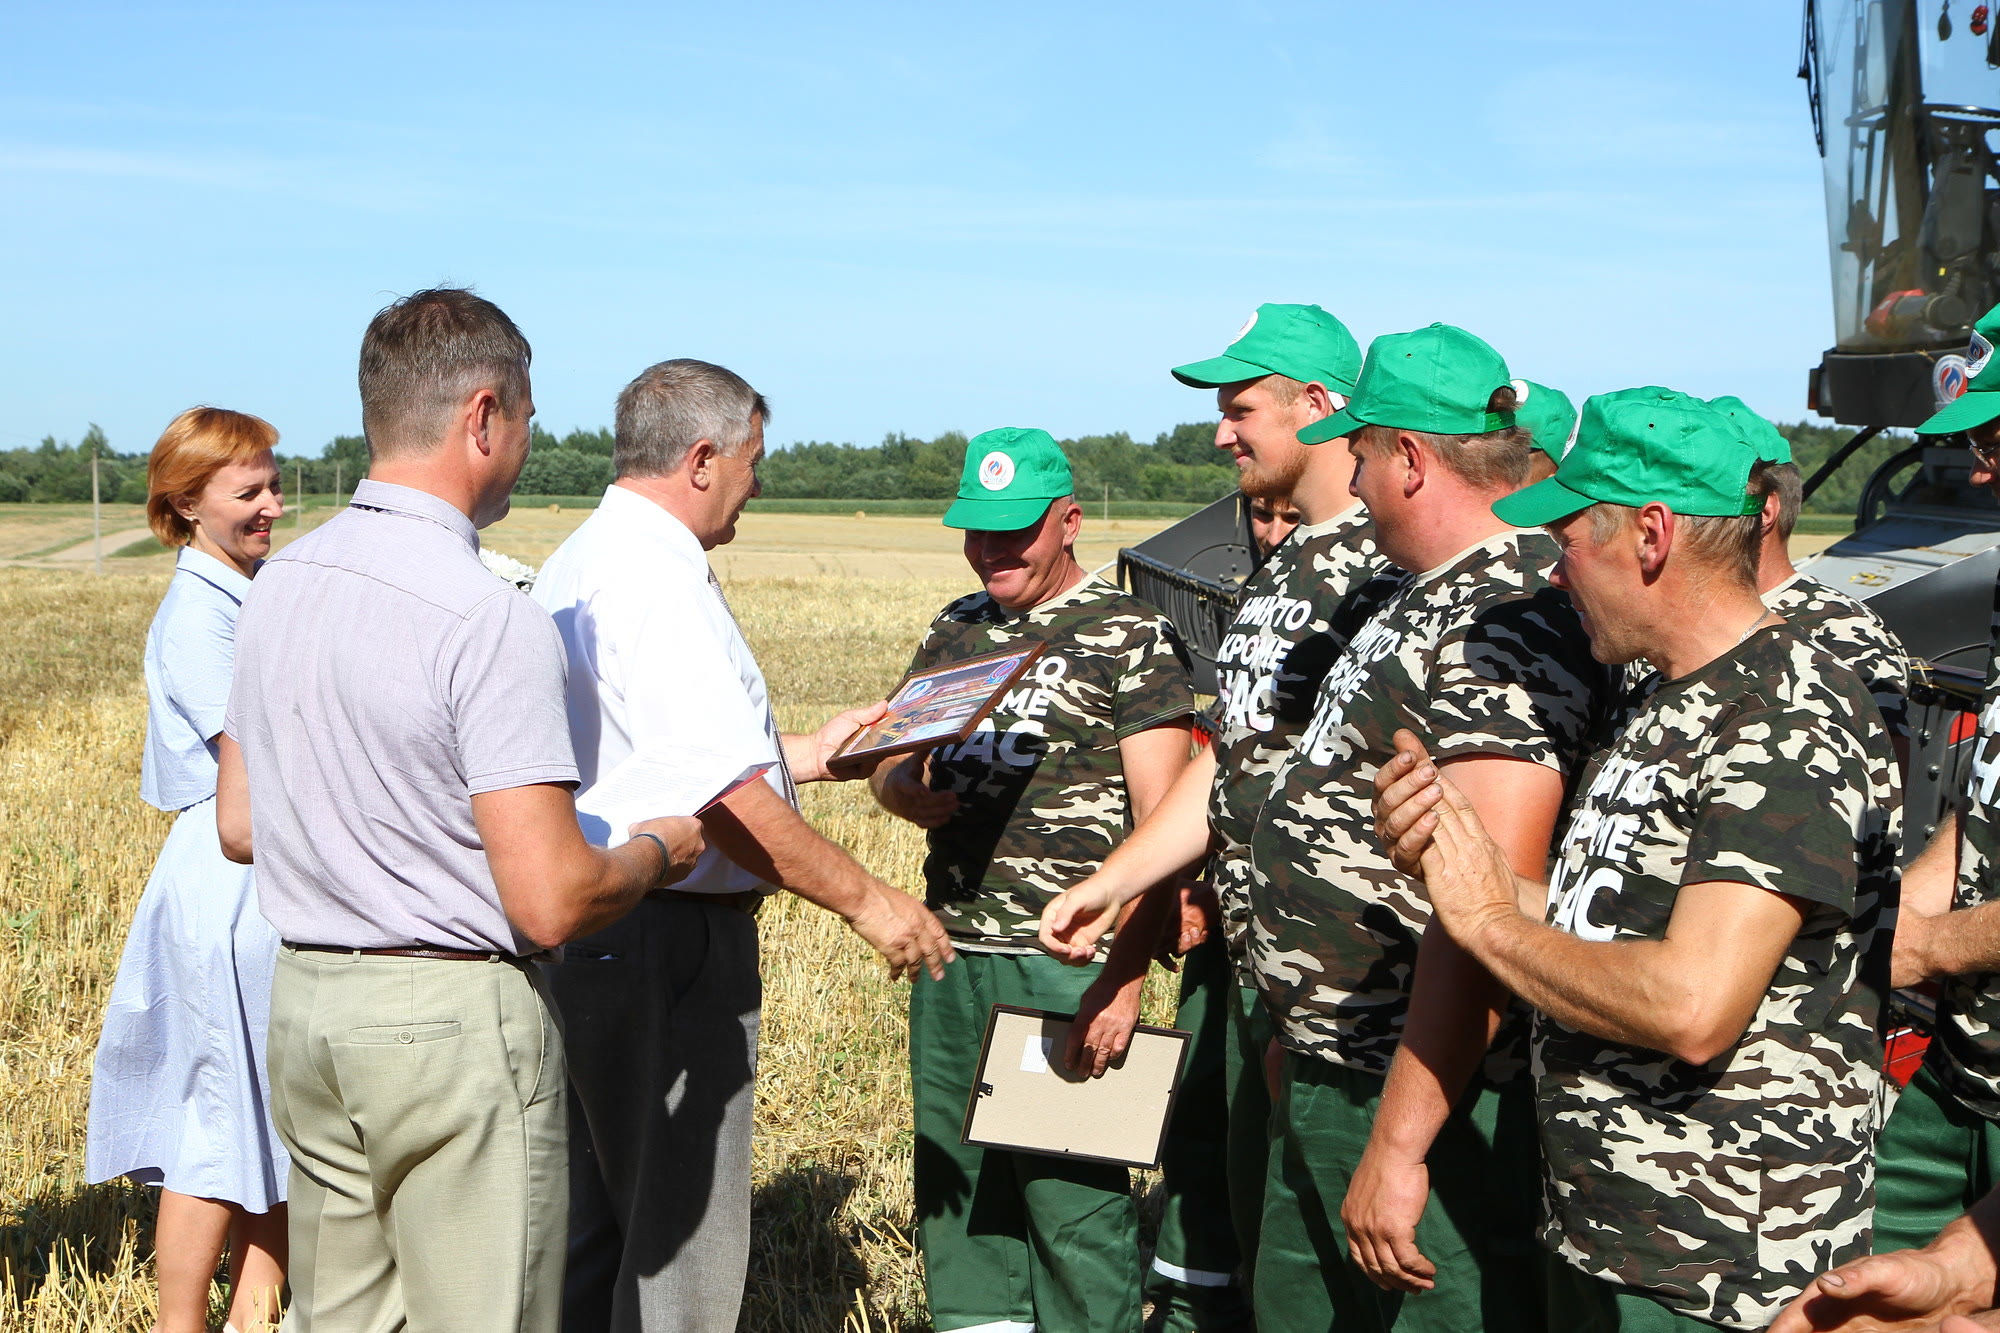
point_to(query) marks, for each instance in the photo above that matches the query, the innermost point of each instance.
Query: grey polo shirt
(383, 679)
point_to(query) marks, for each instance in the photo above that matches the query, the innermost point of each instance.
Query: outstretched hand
(1075, 920)
(905, 932)
(824, 744)
(1908, 1291)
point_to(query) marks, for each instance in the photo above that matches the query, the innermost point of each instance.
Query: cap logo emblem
(1521, 389)
(1977, 355)
(1248, 325)
(996, 471)
(1949, 378)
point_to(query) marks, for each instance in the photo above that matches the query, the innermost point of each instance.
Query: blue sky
(912, 218)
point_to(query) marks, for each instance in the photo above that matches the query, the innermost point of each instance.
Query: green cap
(1638, 446)
(1980, 402)
(1010, 476)
(1548, 415)
(1763, 438)
(1436, 380)
(1300, 342)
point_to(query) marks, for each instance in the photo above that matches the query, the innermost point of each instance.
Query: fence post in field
(96, 515)
(299, 476)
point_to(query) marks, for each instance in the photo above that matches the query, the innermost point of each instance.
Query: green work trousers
(1012, 1242)
(1580, 1303)
(1195, 1283)
(1935, 1159)
(1250, 1132)
(1479, 1226)
(423, 1104)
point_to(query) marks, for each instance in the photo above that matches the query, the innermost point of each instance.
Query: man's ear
(701, 464)
(1072, 523)
(1319, 399)
(1767, 521)
(1656, 530)
(1416, 464)
(476, 418)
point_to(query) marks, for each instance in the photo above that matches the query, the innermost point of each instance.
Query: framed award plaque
(942, 704)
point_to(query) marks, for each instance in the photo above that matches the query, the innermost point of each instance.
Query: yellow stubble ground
(833, 608)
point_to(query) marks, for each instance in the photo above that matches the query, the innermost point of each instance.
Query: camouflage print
(1268, 670)
(1040, 786)
(1720, 1190)
(1966, 1052)
(1849, 632)
(1480, 656)
(1844, 629)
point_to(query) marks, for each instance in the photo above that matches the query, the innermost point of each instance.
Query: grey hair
(668, 407)
(1729, 544)
(424, 355)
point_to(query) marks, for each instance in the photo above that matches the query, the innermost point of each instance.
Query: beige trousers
(423, 1104)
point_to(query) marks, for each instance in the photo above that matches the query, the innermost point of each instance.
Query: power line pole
(339, 467)
(96, 512)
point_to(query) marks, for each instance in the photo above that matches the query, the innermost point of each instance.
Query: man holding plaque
(1032, 800)
(661, 1010)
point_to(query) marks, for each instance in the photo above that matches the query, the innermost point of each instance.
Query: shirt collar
(626, 508)
(223, 576)
(413, 503)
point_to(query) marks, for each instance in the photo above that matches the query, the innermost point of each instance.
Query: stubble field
(831, 606)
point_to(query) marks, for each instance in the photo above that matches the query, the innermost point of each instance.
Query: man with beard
(1289, 367)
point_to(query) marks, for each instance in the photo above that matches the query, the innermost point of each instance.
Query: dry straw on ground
(832, 1242)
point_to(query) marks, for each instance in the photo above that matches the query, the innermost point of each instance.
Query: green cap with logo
(1010, 476)
(1761, 436)
(1437, 380)
(1639, 446)
(1980, 402)
(1300, 342)
(1547, 414)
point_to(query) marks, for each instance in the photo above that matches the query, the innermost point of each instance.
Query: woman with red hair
(178, 1097)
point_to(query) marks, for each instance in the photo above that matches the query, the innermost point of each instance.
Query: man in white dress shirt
(661, 1011)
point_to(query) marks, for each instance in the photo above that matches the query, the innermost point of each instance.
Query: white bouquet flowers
(517, 572)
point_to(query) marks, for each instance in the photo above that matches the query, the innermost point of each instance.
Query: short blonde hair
(196, 445)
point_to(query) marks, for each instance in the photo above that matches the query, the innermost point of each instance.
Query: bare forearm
(1959, 943)
(1173, 837)
(1629, 991)
(770, 840)
(1455, 1008)
(1132, 948)
(610, 883)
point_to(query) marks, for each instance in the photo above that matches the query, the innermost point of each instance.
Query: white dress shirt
(656, 662)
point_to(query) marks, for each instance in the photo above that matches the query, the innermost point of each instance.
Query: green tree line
(1179, 465)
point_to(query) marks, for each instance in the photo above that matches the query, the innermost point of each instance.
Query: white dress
(179, 1096)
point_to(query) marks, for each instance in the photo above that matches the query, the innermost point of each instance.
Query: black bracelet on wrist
(666, 859)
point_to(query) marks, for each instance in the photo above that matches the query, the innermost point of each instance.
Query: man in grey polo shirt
(404, 774)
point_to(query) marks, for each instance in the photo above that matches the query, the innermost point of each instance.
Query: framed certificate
(1024, 1100)
(941, 704)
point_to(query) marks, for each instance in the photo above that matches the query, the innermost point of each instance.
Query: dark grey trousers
(660, 1017)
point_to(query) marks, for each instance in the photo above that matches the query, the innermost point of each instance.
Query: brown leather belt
(433, 952)
(747, 902)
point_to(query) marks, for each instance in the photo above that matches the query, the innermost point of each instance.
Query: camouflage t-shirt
(1966, 1053)
(1721, 1189)
(1268, 671)
(1040, 785)
(1480, 657)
